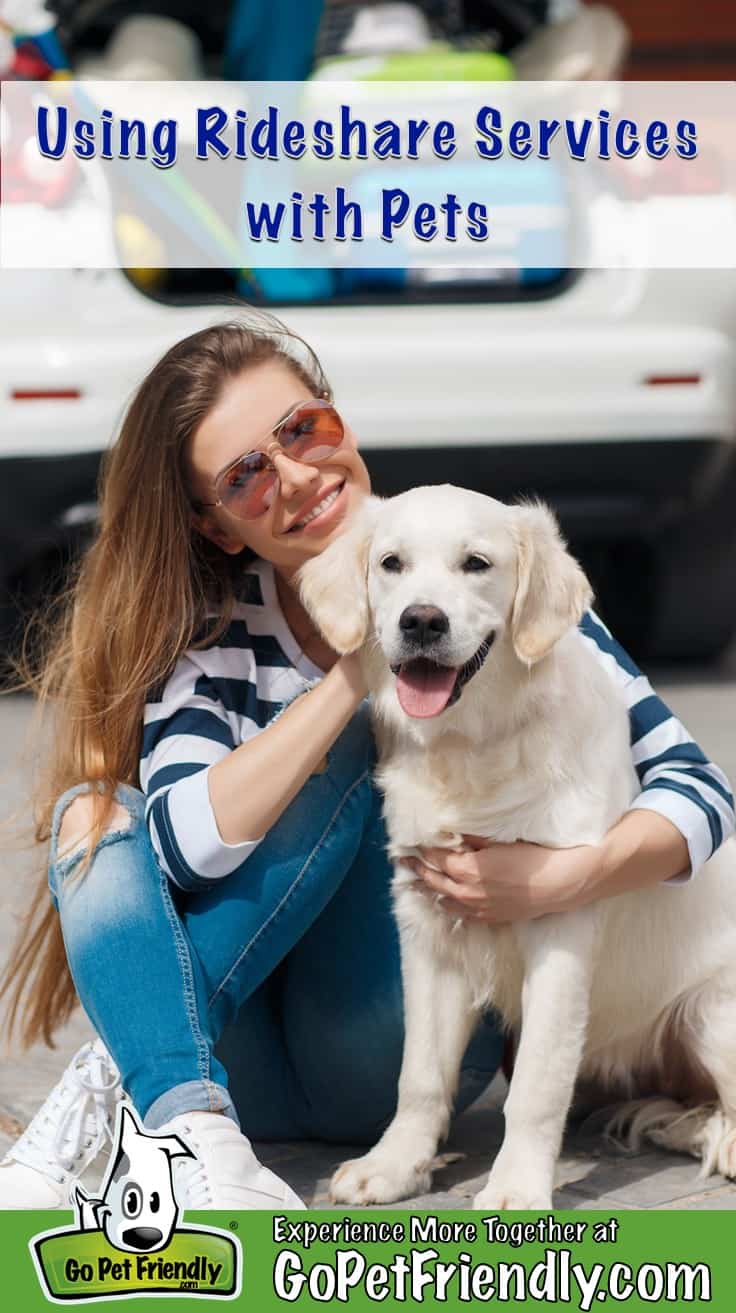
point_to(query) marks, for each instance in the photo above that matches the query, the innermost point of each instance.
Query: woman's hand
(501, 882)
(497, 883)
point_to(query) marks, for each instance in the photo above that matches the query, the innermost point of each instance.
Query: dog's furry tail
(699, 1131)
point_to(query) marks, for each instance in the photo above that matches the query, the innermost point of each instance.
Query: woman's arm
(210, 796)
(502, 882)
(250, 788)
(677, 780)
(684, 812)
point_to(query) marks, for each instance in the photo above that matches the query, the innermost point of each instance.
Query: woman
(230, 934)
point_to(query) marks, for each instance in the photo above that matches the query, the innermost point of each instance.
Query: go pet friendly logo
(128, 1241)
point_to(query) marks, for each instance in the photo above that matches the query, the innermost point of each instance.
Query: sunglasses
(310, 433)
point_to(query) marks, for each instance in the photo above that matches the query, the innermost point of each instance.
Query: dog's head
(138, 1210)
(441, 577)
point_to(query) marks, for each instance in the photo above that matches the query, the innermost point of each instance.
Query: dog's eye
(392, 563)
(132, 1201)
(474, 563)
(154, 1202)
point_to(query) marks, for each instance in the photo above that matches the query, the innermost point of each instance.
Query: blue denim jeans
(274, 995)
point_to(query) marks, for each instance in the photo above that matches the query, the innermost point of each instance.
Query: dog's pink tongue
(424, 689)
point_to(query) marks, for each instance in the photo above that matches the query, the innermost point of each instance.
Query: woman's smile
(323, 511)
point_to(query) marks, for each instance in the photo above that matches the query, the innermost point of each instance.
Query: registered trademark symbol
(234, 1226)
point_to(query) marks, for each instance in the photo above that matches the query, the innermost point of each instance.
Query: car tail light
(28, 177)
(45, 394)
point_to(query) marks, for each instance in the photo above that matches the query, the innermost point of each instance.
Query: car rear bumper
(600, 490)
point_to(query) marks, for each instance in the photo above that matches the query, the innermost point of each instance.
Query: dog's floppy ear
(552, 591)
(334, 585)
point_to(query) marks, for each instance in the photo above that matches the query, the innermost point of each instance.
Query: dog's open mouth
(425, 688)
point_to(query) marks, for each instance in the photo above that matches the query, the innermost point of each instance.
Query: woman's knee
(86, 814)
(87, 830)
(86, 809)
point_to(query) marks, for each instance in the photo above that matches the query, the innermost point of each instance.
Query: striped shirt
(223, 695)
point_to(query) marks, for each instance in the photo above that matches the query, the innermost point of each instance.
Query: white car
(612, 394)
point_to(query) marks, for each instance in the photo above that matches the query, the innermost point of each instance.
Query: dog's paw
(715, 1143)
(506, 1192)
(726, 1156)
(376, 1179)
(498, 1200)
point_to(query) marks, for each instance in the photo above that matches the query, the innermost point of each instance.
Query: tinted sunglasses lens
(313, 432)
(246, 488)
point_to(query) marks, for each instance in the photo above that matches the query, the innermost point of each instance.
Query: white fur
(537, 748)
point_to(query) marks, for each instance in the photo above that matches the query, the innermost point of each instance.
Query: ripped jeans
(275, 996)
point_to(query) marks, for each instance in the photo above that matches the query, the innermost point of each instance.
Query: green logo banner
(82, 1265)
(394, 1259)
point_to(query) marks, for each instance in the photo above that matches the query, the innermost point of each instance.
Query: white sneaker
(70, 1130)
(225, 1172)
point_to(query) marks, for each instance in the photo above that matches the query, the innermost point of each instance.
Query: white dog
(494, 718)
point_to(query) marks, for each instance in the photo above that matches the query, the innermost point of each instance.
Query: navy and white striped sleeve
(677, 779)
(186, 730)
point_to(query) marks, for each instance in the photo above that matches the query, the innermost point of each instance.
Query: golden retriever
(494, 717)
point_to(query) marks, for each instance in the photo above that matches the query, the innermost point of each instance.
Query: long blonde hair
(140, 597)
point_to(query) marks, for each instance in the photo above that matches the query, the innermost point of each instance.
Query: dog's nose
(423, 624)
(143, 1237)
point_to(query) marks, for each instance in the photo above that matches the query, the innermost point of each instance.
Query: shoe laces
(74, 1123)
(191, 1180)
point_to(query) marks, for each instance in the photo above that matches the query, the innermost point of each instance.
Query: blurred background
(610, 393)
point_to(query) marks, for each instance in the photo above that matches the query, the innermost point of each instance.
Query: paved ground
(591, 1175)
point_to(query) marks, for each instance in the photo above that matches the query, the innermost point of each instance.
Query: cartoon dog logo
(136, 1212)
(137, 1208)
